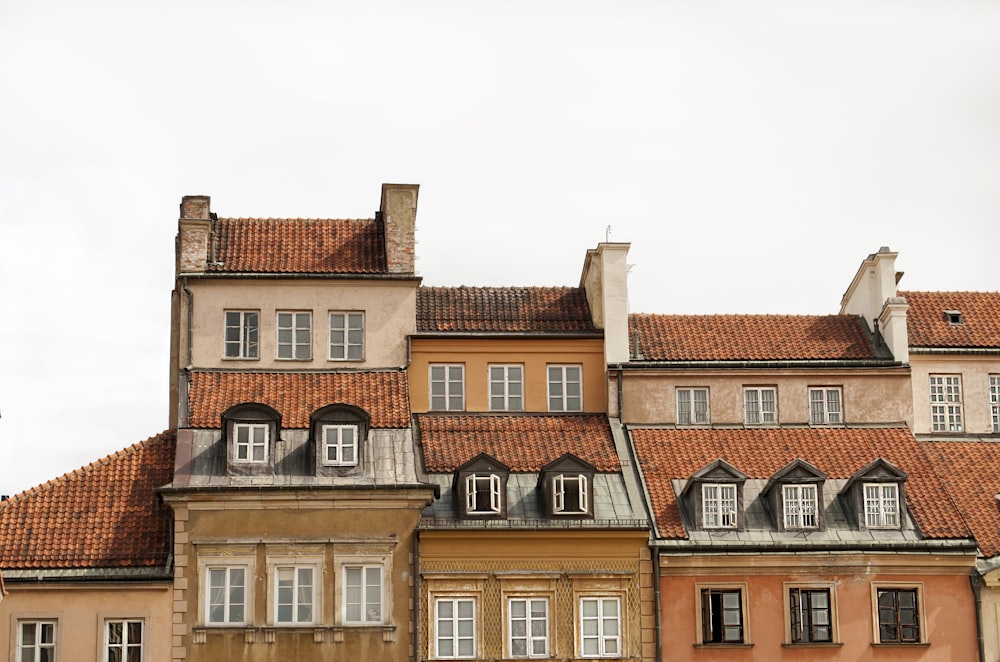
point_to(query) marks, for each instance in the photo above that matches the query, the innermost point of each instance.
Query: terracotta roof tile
(104, 515)
(524, 443)
(299, 245)
(750, 337)
(296, 395)
(503, 309)
(971, 472)
(667, 454)
(927, 327)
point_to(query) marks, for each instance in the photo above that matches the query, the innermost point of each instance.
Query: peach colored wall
(975, 372)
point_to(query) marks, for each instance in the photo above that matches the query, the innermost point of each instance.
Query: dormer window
(953, 317)
(250, 432)
(795, 495)
(569, 494)
(568, 487)
(718, 503)
(338, 432)
(482, 494)
(251, 441)
(714, 496)
(799, 503)
(481, 487)
(876, 496)
(340, 445)
(881, 506)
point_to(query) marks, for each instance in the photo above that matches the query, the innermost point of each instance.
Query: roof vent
(953, 316)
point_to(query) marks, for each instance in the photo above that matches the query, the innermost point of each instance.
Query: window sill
(361, 360)
(723, 645)
(814, 644)
(241, 358)
(901, 644)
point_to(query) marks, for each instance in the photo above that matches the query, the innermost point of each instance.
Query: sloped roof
(676, 454)
(298, 245)
(750, 337)
(927, 327)
(503, 310)
(296, 395)
(971, 472)
(104, 515)
(524, 443)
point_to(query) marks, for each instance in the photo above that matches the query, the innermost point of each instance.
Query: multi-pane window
(242, 330)
(506, 388)
(363, 594)
(295, 335)
(799, 505)
(123, 640)
(294, 594)
(226, 602)
(692, 406)
(600, 627)
(946, 403)
(565, 388)
(37, 641)
(761, 406)
(809, 612)
(250, 441)
(455, 627)
(718, 505)
(825, 406)
(721, 616)
(447, 387)
(569, 494)
(995, 401)
(347, 336)
(482, 494)
(881, 505)
(528, 627)
(898, 615)
(340, 445)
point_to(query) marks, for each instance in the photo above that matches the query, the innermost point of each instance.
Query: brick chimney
(399, 217)
(194, 234)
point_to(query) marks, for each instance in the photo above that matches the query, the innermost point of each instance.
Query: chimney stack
(194, 234)
(399, 218)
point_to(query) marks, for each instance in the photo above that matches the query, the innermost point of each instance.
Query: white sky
(753, 153)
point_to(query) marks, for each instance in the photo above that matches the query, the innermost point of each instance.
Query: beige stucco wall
(990, 615)
(975, 371)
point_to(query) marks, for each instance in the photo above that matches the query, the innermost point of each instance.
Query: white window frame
(247, 326)
(946, 403)
(719, 506)
(754, 402)
(561, 379)
(251, 443)
(364, 603)
(881, 505)
(530, 619)
(506, 384)
(689, 406)
(473, 488)
(38, 646)
(126, 644)
(452, 378)
(298, 601)
(337, 444)
(351, 325)
(995, 401)
(826, 405)
(227, 587)
(297, 321)
(608, 644)
(799, 503)
(559, 485)
(455, 621)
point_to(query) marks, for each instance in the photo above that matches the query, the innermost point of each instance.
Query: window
(881, 505)
(565, 388)
(722, 616)
(447, 387)
(799, 505)
(600, 627)
(824, 406)
(226, 602)
(809, 614)
(692, 406)
(455, 627)
(123, 639)
(528, 627)
(340, 445)
(718, 504)
(294, 595)
(569, 494)
(946, 403)
(761, 406)
(37, 641)
(241, 334)
(953, 317)
(898, 615)
(995, 401)
(295, 336)
(363, 594)
(506, 388)
(482, 494)
(347, 336)
(250, 442)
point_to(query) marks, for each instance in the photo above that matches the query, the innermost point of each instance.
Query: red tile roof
(104, 515)
(296, 395)
(927, 327)
(750, 337)
(524, 443)
(503, 310)
(298, 245)
(667, 454)
(971, 472)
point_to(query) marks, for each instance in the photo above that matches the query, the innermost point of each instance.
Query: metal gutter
(795, 363)
(737, 547)
(87, 574)
(955, 350)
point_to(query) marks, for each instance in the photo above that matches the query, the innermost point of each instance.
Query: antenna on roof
(607, 234)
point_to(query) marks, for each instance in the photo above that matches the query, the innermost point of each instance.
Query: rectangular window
(569, 494)
(721, 616)
(528, 626)
(447, 387)
(565, 388)
(718, 505)
(600, 627)
(123, 640)
(295, 336)
(294, 595)
(340, 445)
(799, 504)
(946, 403)
(995, 401)
(363, 594)
(761, 406)
(242, 328)
(506, 388)
(809, 614)
(881, 505)
(226, 596)
(455, 627)
(37, 641)
(825, 406)
(347, 336)
(898, 615)
(482, 494)
(692, 406)
(250, 441)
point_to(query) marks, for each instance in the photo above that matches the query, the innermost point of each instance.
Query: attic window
(954, 317)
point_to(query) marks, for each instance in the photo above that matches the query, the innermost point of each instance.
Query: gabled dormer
(567, 485)
(481, 488)
(875, 497)
(714, 496)
(338, 433)
(795, 496)
(250, 432)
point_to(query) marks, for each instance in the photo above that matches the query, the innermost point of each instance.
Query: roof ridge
(905, 292)
(501, 287)
(747, 315)
(297, 219)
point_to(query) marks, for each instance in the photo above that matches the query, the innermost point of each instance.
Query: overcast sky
(753, 153)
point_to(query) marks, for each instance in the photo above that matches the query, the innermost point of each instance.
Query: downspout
(416, 595)
(656, 606)
(618, 375)
(977, 591)
(183, 397)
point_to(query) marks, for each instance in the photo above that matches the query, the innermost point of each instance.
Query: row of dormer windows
(293, 335)
(760, 405)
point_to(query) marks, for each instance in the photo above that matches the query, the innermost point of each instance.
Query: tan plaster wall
(975, 371)
(990, 611)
